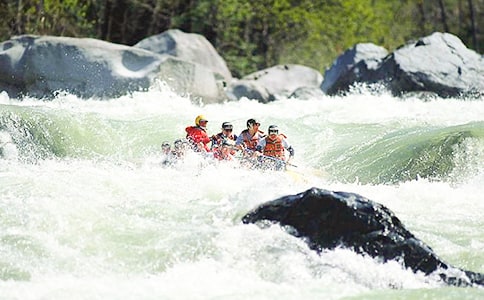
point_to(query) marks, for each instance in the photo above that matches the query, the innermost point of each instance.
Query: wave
(434, 153)
(375, 140)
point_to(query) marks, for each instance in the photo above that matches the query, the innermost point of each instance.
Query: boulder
(354, 65)
(249, 89)
(193, 80)
(282, 80)
(307, 93)
(190, 47)
(327, 220)
(438, 63)
(40, 66)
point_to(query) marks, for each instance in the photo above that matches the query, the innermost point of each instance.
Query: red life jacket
(251, 141)
(198, 136)
(274, 146)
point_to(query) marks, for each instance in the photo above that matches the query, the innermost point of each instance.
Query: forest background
(256, 34)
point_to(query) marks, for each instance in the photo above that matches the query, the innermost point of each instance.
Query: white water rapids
(88, 212)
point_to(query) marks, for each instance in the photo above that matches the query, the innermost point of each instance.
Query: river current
(87, 211)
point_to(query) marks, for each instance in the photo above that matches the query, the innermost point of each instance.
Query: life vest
(197, 136)
(274, 146)
(251, 141)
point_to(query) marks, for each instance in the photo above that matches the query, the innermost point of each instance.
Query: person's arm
(288, 147)
(239, 142)
(261, 145)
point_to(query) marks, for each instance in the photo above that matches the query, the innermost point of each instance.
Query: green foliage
(47, 17)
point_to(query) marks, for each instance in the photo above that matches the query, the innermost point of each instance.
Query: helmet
(273, 129)
(199, 119)
(252, 122)
(227, 125)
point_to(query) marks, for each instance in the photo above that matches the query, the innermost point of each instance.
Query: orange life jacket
(251, 141)
(198, 136)
(274, 146)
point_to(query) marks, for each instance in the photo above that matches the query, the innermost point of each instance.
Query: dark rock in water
(338, 219)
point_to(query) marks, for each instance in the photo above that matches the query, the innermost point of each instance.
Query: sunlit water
(88, 212)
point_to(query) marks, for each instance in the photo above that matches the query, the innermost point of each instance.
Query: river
(87, 211)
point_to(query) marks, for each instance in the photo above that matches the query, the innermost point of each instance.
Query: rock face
(354, 65)
(249, 89)
(42, 65)
(191, 79)
(280, 80)
(438, 63)
(337, 219)
(285, 79)
(189, 47)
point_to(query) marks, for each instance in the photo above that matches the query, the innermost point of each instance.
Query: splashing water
(88, 212)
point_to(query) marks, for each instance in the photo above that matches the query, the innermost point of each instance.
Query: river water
(87, 211)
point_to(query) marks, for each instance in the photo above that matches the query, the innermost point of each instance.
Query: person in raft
(249, 138)
(224, 139)
(197, 135)
(225, 134)
(272, 147)
(225, 151)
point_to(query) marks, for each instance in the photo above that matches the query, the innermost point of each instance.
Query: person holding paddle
(273, 148)
(197, 135)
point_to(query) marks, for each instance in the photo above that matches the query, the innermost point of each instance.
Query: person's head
(201, 121)
(227, 128)
(165, 146)
(273, 130)
(252, 124)
(179, 145)
(226, 146)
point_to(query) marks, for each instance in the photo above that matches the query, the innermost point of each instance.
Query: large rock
(190, 47)
(327, 220)
(283, 80)
(43, 65)
(307, 93)
(354, 65)
(249, 89)
(193, 80)
(439, 63)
